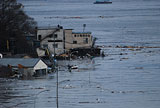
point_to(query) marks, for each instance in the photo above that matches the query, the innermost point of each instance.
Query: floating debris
(64, 81)
(139, 68)
(84, 102)
(112, 92)
(98, 86)
(136, 47)
(123, 54)
(106, 16)
(65, 17)
(68, 86)
(125, 58)
(111, 59)
(123, 92)
(40, 88)
(118, 46)
(98, 100)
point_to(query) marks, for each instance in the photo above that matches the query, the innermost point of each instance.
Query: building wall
(77, 40)
(55, 35)
(82, 40)
(65, 39)
(68, 39)
(40, 65)
(44, 32)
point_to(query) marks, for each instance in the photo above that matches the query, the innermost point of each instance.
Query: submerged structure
(58, 41)
(25, 67)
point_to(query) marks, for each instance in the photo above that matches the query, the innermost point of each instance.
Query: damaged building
(59, 41)
(25, 67)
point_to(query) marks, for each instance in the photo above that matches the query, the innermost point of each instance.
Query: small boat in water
(103, 2)
(74, 67)
(70, 67)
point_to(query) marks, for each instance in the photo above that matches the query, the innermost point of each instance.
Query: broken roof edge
(49, 27)
(45, 28)
(68, 29)
(82, 32)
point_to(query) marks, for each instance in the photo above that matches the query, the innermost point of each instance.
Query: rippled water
(125, 78)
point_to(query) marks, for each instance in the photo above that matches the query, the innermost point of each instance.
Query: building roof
(81, 32)
(68, 29)
(47, 28)
(15, 61)
(50, 27)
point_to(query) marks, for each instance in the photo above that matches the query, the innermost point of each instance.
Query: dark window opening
(55, 41)
(55, 35)
(40, 72)
(74, 42)
(85, 41)
(39, 37)
(55, 45)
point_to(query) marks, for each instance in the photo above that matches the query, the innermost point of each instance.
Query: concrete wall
(83, 40)
(77, 40)
(49, 41)
(44, 32)
(68, 39)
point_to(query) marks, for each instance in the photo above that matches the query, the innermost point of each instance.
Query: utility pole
(84, 25)
(57, 88)
(56, 70)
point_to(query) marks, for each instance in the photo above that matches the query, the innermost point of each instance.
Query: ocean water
(125, 78)
(124, 21)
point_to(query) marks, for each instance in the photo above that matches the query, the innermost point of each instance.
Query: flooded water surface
(127, 77)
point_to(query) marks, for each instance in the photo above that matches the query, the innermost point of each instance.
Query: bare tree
(14, 24)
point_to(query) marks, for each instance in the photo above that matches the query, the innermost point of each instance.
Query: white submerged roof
(15, 61)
